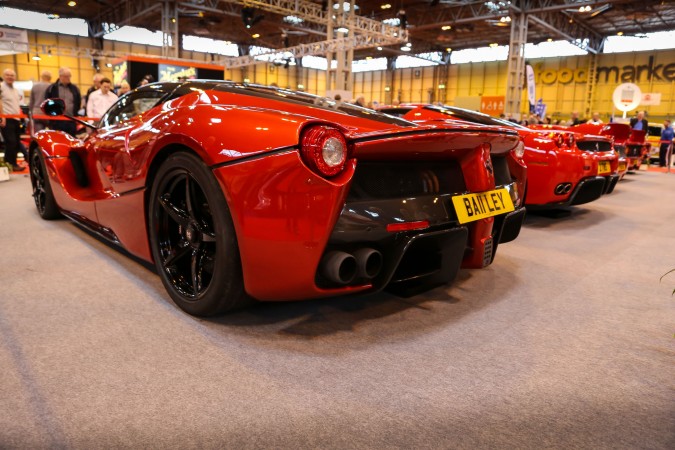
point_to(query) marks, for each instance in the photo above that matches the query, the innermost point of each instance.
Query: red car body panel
(549, 164)
(284, 214)
(630, 143)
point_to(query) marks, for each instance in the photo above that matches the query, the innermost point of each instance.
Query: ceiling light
(342, 30)
(448, 49)
(246, 80)
(379, 49)
(549, 40)
(446, 27)
(441, 86)
(301, 86)
(255, 36)
(108, 65)
(494, 44)
(293, 19)
(345, 6)
(173, 20)
(71, 3)
(505, 19)
(405, 49)
(385, 6)
(620, 33)
(36, 58)
(369, 57)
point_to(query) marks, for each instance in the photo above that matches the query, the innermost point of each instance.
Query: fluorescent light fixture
(342, 30)
(293, 20)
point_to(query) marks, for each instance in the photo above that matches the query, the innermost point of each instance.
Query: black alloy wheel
(42, 190)
(192, 238)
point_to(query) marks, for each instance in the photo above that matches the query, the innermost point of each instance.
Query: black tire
(42, 190)
(192, 238)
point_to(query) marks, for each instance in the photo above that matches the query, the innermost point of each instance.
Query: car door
(116, 143)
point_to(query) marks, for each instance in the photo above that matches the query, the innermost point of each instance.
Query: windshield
(472, 116)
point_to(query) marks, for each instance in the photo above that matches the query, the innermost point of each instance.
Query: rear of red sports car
(251, 191)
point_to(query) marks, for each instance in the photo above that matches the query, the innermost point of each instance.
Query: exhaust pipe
(563, 188)
(339, 267)
(369, 262)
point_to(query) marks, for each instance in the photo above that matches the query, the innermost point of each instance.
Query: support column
(170, 37)
(516, 65)
(591, 83)
(340, 78)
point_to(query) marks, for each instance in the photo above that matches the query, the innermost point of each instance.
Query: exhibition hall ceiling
(433, 25)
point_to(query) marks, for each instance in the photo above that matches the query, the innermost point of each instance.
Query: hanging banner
(531, 92)
(13, 41)
(540, 108)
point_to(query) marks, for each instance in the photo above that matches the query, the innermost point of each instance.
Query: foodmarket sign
(609, 74)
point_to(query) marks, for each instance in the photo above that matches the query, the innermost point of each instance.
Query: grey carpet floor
(566, 341)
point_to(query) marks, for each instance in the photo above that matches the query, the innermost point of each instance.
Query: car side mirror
(53, 107)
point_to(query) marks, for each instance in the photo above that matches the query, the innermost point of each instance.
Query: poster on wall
(492, 105)
(120, 73)
(651, 99)
(168, 72)
(13, 41)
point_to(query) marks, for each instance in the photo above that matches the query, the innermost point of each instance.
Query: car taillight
(324, 150)
(557, 138)
(570, 140)
(519, 150)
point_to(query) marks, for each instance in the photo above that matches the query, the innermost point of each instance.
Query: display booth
(134, 69)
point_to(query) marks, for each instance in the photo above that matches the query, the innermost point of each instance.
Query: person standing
(100, 100)
(70, 94)
(595, 119)
(123, 89)
(639, 122)
(37, 96)
(97, 85)
(11, 129)
(574, 119)
(666, 143)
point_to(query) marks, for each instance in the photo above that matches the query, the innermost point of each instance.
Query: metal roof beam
(125, 13)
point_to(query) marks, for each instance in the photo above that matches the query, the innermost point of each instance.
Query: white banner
(651, 98)
(531, 93)
(13, 41)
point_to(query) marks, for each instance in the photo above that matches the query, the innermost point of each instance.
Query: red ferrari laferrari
(560, 173)
(240, 192)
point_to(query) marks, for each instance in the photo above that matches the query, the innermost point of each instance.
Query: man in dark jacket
(70, 94)
(639, 122)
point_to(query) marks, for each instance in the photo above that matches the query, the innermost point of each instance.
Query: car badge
(488, 165)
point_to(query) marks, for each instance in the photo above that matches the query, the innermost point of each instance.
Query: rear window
(294, 97)
(654, 131)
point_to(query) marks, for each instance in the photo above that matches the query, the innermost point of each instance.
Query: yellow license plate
(622, 166)
(470, 207)
(603, 167)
